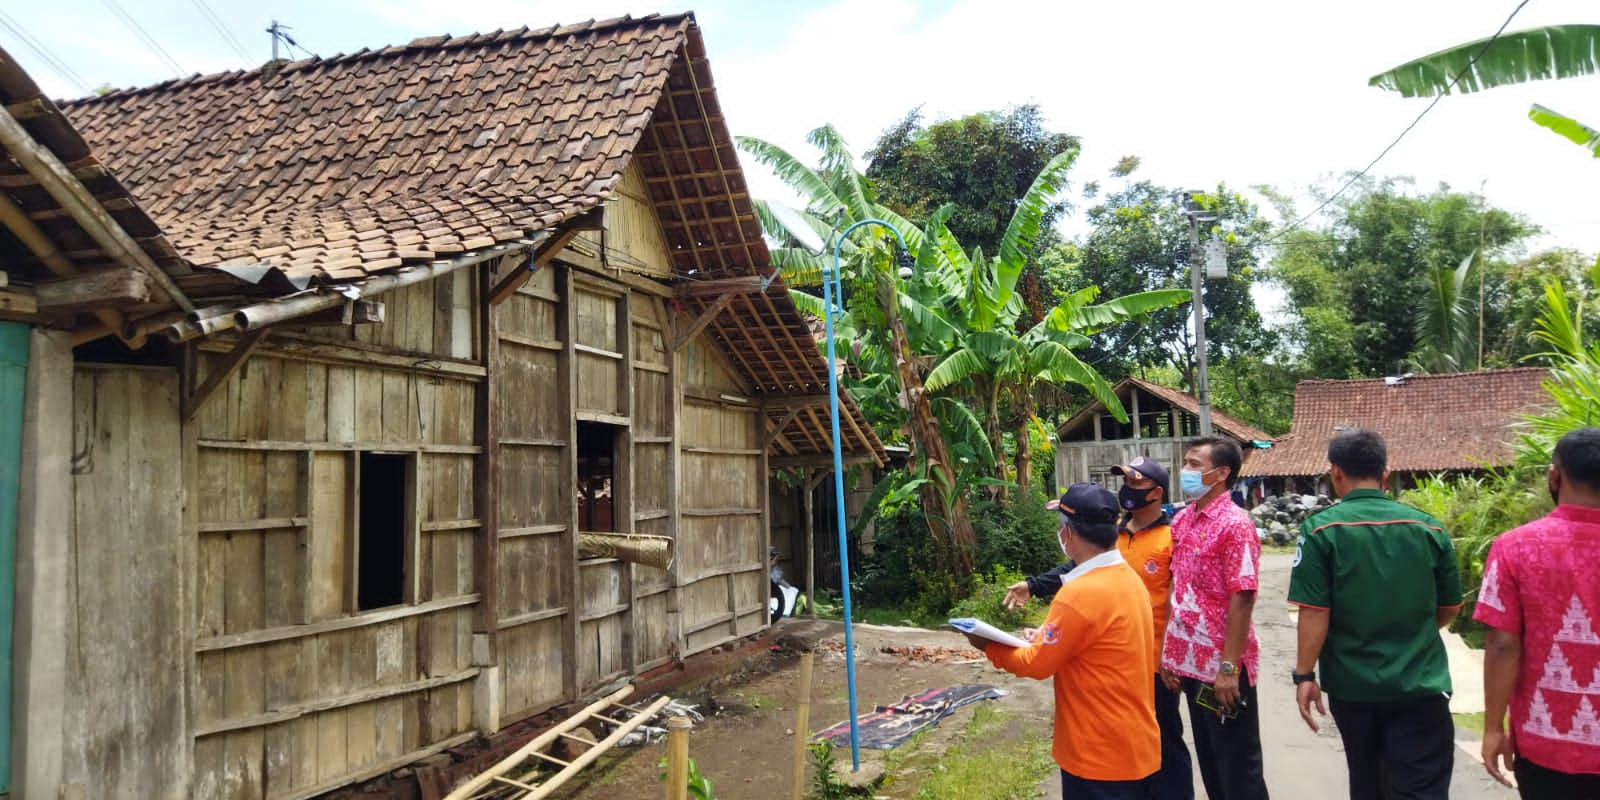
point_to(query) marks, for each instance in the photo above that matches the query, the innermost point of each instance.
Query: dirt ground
(744, 745)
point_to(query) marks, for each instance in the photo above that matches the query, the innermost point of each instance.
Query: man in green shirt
(1375, 580)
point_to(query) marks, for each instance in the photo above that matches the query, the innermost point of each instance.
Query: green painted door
(13, 376)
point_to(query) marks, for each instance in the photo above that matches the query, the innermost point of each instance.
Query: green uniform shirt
(1383, 570)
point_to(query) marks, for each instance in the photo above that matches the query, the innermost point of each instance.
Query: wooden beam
(18, 301)
(700, 322)
(744, 284)
(795, 401)
(82, 173)
(67, 190)
(218, 376)
(543, 253)
(772, 433)
(13, 217)
(816, 460)
(94, 290)
(28, 109)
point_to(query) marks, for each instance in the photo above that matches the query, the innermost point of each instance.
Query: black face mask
(1132, 498)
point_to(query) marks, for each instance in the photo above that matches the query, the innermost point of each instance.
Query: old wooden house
(319, 378)
(1160, 421)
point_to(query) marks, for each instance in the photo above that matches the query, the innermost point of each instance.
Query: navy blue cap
(1145, 468)
(1089, 503)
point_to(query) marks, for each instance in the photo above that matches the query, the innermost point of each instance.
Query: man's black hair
(1224, 452)
(1099, 534)
(1360, 453)
(1577, 455)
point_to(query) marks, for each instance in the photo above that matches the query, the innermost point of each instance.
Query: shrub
(1020, 537)
(985, 602)
(1476, 510)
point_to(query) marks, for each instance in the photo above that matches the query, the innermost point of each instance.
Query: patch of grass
(760, 701)
(1471, 722)
(989, 764)
(1277, 549)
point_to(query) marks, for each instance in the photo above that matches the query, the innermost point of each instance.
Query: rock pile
(1278, 518)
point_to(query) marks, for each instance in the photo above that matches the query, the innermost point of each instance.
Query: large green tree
(982, 165)
(1391, 281)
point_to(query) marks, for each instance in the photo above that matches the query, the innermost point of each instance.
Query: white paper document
(978, 627)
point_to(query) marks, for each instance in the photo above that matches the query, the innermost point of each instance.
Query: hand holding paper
(977, 627)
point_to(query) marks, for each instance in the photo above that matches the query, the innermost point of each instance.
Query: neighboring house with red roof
(363, 400)
(1160, 421)
(1457, 422)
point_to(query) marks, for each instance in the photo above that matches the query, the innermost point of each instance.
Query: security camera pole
(1202, 388)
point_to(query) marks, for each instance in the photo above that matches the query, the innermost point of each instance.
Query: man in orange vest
(1098, 645)
(1145, 541)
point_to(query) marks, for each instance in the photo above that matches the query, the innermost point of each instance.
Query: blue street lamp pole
(833, 287)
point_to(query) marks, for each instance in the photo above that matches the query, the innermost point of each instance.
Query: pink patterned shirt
(1215, 554)
(1534, 586)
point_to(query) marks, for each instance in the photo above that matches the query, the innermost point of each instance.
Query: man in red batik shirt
(1542, 660)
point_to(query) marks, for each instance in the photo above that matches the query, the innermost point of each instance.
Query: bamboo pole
(510, 762)
(548, 787)
(678, 758)
(802, 727)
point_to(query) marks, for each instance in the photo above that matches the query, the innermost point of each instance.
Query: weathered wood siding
(722, 485)
(127, 719)
(1092, 461)
(655, 497)
(297, 690)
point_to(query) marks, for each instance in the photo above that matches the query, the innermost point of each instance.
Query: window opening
(597, 446)
(381, 542)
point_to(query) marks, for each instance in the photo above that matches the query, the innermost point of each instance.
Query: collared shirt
(1096, 645)
(1216, 554)
(1148, 550)
(1537, 584)
(1383, 570)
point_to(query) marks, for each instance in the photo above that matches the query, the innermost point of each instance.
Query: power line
(1440, 96)
(49, 58)
(222, 28)
(133, 24)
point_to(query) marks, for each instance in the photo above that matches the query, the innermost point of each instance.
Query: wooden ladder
(522, 776)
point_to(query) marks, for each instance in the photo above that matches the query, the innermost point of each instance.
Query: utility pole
(1202, 387)
(274, 32)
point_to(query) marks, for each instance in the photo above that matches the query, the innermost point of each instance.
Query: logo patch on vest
(1049, 634)
(1150, 566)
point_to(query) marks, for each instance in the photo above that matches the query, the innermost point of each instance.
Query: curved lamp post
(833, 287)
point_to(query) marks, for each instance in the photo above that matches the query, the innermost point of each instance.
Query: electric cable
(49, 58)
(222, 28)
(138, 30)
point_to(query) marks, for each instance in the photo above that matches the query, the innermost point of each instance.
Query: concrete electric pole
(1199, 259)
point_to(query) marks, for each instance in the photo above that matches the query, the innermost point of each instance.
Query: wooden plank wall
(655, 499)
(534, 491)
(722, 537)
(296, 690)
(126, 717)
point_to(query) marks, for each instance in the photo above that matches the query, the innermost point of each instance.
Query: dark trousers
(1401, 750)
(1229, 750)
(1542, 783)
(1175, 779)
(1076, 788)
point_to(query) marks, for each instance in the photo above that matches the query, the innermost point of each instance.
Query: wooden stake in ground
(678, 758)
(802, 727)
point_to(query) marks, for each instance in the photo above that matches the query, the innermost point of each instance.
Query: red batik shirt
(1215, 554)
(1536, 586)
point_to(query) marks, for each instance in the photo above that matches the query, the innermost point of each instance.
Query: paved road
(1300, 764)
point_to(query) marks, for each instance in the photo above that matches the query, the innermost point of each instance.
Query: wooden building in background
(1160, 421)
(344, 381)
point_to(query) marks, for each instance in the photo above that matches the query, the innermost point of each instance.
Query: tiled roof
(1429, 422)
(1221, 422)
(331, 170)
(360, 163)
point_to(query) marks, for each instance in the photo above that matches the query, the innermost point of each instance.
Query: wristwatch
(1303, 677)
(1227, 668)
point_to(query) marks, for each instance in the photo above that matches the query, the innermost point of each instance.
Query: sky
(1246, 92)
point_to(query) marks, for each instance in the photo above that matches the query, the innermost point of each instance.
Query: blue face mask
(1192, 482)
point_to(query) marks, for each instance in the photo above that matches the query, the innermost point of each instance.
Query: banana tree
(871, 328)
(990, 363)
(1553, 51)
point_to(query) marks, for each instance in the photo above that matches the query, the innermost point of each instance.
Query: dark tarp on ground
(890, 726)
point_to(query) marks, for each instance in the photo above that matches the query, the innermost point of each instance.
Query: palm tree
(1445, 327)
(1554, 51)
